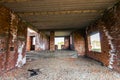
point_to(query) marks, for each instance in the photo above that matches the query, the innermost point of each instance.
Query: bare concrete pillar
(52, 45)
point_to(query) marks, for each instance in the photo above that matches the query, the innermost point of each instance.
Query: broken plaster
(13, 30)
(21, 60)
(111, 52)
(40, 43)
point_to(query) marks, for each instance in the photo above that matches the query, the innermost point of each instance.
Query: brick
(110, 22)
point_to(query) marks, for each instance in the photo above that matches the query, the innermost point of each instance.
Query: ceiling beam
(57, 1)
(64, 12)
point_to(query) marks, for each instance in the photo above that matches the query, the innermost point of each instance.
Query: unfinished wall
(71, 42)
(52, 43)
(4, 32)
(109, 28)
(66, 43)
(9, 38)
(78, 43)
(21, 43)
(41, 41)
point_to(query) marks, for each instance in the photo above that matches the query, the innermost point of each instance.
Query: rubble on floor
(62, 68)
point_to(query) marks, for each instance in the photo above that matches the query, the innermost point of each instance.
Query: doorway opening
(31, 39)
(32, 47)
(59, 43)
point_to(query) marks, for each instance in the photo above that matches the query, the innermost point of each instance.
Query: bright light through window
(59, 41)
(95, 44)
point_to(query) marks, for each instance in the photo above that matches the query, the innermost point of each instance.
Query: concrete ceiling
(59, 14)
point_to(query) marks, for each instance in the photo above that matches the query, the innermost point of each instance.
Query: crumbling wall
(102, 56)
(21, 44)
(29, 41)
(78, 43)
(9, 32)
(4, 32)
(42, 42)
(12, 42)
(109, 28)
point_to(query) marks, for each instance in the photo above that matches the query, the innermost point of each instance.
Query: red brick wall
(52, 45)
(104, 55)
(12, 42)
(41, 41)
(78, 43)
(9, 37)
(4, 32)
(109, 28)
(21, 41)
(66, 42)
(28, 45)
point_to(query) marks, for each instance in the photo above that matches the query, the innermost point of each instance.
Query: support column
(52, 45)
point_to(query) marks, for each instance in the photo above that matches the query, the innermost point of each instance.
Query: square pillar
(52, 43)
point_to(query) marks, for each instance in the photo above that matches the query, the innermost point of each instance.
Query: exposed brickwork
(41, 41)
(9, 36)
(52, 46)
(78, 43)
(28, 45)
(12, 44)
(104, 55)
(109, 28)
(4, 32)
(71, 42)
(29, 41)
(66, 43)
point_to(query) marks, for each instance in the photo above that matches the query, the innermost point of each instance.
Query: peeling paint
(112, 51)
(21, 60)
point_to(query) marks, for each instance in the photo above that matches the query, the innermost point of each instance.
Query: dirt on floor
(61, 68)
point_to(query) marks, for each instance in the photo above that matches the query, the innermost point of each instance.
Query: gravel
(61, 68)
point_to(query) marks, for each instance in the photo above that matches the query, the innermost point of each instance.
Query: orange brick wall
(41, 41)
(52, 45)
(66, 43)
(12, 31)
(4, 32)
(109, 27)
(78, 43)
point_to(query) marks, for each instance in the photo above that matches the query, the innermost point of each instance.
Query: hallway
(60, 39)
(61, 65)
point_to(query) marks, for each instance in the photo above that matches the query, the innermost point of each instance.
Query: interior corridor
(61, 65)
(59, 39)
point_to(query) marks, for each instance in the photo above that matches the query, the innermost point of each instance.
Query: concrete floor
(61, 65)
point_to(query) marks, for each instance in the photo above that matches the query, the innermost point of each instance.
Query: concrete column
(52, 45)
